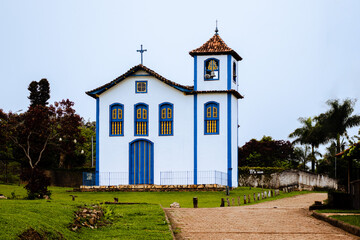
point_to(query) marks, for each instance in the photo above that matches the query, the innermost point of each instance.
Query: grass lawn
(337, 211)
(350, 219)
(138, 221)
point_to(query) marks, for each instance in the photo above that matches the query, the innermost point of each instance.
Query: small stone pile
(175, 205)
(88, 217)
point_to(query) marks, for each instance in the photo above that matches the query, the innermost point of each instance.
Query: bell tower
(215, 65)
(216, 109)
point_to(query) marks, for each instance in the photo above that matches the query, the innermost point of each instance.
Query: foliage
(32, 131)
(338, 119)
(37, 183)
(309, 134)
(266, 153)
(303, 156)
(69, 133)
(88, 148)
(39, 92)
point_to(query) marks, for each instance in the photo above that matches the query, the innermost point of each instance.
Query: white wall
(170, 152)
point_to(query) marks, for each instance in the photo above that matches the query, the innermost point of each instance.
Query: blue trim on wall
(229, 72)
(97, 141)
(195, 139)
(195, 73)
(229, 140)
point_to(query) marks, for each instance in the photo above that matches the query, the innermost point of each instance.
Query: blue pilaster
(97, 141)
(229, 173)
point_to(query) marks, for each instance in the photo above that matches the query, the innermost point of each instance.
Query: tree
(266, 153)
(338, 119)
(303, 155)
(39, 92)
(309, 134)
(32, 131)
(69, 132)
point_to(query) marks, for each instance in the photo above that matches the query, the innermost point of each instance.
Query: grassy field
(147, 221)
(350, 219)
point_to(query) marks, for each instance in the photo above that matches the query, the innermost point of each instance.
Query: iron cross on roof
(141, 51)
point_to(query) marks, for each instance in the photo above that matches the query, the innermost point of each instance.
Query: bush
(37, 183)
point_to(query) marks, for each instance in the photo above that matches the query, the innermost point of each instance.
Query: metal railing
(166, 178)
(187, 177)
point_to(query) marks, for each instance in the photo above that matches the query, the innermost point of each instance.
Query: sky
(296, 54)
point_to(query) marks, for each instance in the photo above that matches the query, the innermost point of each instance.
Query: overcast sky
(296, 54)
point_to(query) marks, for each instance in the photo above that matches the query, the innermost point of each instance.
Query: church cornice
(232, 91)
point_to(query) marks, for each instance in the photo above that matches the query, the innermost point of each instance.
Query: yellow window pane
(208, 112)
(215, 113)
(114, 114)
(138, 113)
(169, 113)
(163, 113)
(212, 66)
(144, 114)
(119, 114)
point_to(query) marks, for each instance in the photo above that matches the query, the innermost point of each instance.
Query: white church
(151, 130)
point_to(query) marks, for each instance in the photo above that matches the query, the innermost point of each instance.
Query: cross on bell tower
(141, 51)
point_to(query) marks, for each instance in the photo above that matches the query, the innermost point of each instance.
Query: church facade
(151, 130)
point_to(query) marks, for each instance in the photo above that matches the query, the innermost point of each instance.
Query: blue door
(141, 162)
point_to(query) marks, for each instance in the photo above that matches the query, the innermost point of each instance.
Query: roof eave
(232, 53)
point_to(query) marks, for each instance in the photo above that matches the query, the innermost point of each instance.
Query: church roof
(215, 46)
(188, 90)
(97, 91)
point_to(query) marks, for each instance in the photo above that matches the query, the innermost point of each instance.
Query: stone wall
(300, 179)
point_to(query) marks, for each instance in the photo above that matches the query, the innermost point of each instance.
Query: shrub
(37, 183)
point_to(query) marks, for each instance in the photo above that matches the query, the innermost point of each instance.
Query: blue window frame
(141, 86)
(211, 113)
(116, 119)
(141, 119)
(211, 69)
(166, 116)
(234, 72)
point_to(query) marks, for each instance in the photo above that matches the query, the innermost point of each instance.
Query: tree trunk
(349, 174)
(337, 151)
(61, 160)
(312, 159)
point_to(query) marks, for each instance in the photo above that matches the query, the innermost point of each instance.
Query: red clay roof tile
(215, 46)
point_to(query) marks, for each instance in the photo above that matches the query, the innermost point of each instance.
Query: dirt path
(287, 218)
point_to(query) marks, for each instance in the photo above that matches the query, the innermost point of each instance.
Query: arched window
(211, 69)
(141, 119)
(116, 119)
(211, 124)
(166, 125)
(234, 71)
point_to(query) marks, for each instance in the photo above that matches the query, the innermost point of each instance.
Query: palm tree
(337, 120)
(309, 134)
(302, 154)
